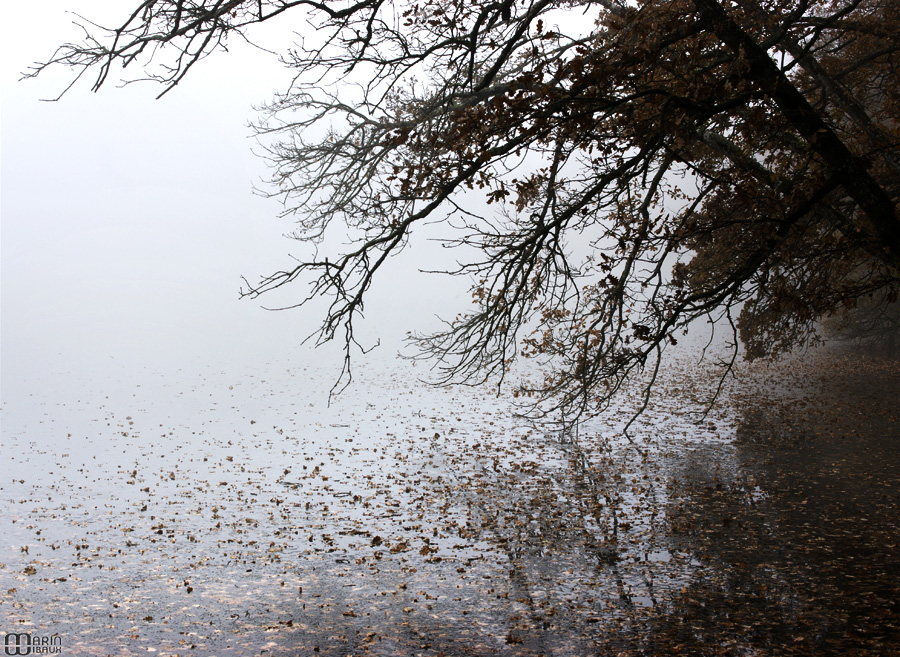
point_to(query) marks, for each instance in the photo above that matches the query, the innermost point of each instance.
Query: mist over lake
(177, 479)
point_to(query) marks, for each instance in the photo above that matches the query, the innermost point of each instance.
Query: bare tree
(617, 169)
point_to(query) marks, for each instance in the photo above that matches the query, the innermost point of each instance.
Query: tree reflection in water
(800, 539)
(463, 531)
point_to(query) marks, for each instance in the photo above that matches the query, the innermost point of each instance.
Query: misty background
(127, 222)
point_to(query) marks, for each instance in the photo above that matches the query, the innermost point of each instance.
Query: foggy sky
(127, 222)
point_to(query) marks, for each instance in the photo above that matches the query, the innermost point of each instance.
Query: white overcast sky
(127, 222)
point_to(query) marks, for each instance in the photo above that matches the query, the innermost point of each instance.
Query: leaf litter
(218, 515)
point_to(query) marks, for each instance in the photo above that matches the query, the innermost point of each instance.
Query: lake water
(209, 512)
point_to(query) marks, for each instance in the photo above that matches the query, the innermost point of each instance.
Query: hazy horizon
(127, 222)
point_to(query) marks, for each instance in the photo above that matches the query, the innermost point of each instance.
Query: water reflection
(229, 517)
(797, 525)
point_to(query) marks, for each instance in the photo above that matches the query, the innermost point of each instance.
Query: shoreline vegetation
(217, 518)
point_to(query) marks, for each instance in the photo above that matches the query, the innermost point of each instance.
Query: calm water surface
(210, 513)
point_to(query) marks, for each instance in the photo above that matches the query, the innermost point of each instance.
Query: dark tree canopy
(611, 170)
